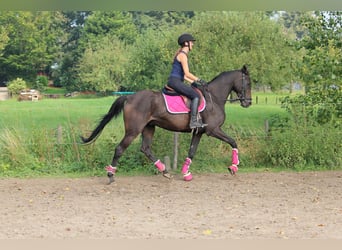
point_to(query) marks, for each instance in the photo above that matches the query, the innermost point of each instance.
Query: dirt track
(213, 206)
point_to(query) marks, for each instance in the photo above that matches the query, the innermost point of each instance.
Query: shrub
(16, 86)
(41, 83)
(302, 147)
(321, 105)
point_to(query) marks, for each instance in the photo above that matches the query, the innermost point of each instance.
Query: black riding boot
(194, 122)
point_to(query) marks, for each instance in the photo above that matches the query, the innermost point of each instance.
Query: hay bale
(31, 95)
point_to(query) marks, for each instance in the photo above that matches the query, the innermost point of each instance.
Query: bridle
(206, 91)
(244, 87)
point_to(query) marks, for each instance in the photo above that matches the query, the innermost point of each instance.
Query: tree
(322, 43)
(84, 30)
(150, 59)
(151, 56)
(160, 20)
(321, 71)
(227, 40)
(113, 23)
(3, 38)
(65, 66)
(292, 22)
(102, 67)
(32, 43)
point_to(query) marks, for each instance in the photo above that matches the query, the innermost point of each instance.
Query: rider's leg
(194, 121)
(188, 91)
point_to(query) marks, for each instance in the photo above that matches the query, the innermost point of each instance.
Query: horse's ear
(244, 69)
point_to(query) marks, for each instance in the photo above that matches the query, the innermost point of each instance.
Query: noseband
(244, 86)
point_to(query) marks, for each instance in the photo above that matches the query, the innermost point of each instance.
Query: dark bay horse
(145, 110)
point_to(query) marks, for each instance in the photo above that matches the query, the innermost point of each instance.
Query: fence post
(59, 134)
(175, 150)
(167, 162)
(267, 127)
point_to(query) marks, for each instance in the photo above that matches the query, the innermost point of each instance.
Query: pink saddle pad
(176, 104)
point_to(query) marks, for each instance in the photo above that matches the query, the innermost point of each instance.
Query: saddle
(179, 104)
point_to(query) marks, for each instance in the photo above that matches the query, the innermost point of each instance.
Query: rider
(180, 72)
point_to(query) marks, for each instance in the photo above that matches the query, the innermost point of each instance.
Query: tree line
(133, 50)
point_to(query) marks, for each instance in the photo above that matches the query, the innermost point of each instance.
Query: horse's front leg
(196, 137)
(147, 136)
(219, 134)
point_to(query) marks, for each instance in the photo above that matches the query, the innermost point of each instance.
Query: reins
(205, 91)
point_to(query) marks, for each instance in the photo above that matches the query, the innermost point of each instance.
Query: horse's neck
(222, 86)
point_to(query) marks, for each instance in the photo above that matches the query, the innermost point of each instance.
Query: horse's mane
(222, 74)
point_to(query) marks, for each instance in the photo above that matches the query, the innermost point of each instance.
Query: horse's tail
(113, 112)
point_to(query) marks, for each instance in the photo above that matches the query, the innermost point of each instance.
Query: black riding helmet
(186, 37)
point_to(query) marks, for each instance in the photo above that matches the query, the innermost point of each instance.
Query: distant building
(4, 95)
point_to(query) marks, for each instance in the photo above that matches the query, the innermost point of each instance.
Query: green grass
(54, 90)
(253, 117)
(50, 113)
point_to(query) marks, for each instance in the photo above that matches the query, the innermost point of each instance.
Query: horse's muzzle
(246, 102)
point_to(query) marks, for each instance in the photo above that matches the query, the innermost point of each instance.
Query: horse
(146, 109)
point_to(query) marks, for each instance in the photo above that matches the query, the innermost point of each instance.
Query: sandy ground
(212, 206)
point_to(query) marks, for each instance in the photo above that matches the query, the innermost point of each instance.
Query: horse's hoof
(187, 176)
(111, 178)
(233, 169)
(167, 175)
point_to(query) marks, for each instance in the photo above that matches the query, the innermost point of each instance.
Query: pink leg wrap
(159, 165)
(187, 176)
(235, 156)
(235, 161)
(110, 169)
(186, 165)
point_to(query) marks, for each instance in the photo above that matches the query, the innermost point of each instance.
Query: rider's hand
(195, 84)
(202, 82)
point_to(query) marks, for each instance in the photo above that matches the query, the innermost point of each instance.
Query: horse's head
(242, 87)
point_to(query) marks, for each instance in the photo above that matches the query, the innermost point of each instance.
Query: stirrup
(200, 121)
(196, 124)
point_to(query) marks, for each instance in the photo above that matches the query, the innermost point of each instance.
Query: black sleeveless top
(177, 69)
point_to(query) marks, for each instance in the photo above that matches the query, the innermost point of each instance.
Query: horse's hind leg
(119, 150)
(147, 136)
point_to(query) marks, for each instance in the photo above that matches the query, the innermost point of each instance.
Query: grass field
(42, 138)
(50, 113)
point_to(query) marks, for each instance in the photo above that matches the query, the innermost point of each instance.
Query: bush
(310, 137)
(303, 147)
(16, 86)
(319, 106)
(41, 83)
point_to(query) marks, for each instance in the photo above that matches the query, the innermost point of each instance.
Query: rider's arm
(187, 74)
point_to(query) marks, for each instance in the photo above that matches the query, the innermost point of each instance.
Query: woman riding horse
(180, 72)
(145, 110)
